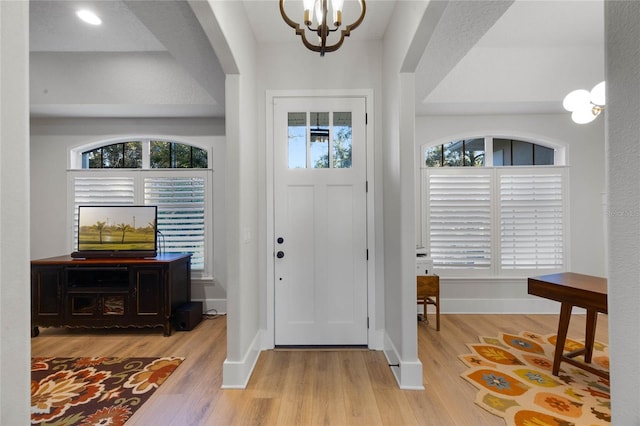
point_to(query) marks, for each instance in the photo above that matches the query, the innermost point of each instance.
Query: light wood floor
(307, 387)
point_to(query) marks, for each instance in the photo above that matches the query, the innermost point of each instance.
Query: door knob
(280, 254)
(280, 240)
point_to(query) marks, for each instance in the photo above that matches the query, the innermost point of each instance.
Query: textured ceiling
(535, 53)
(54, 27)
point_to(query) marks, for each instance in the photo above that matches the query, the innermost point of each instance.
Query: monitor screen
(117, 230)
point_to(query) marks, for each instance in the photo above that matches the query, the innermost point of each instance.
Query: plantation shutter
(181, 214)
(459, 218)
(100, 190)
(532, 216)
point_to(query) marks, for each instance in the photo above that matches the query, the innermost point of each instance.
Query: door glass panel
(342, 140)
(319, 139)
(297, 135)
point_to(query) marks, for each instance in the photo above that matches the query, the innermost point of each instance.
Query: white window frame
(138, 176)
(495, 270)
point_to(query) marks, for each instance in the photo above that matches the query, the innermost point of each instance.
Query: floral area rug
(94, 391)
(514, 378)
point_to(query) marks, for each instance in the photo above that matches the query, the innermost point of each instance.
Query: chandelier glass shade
(320, 18)
(585, 106)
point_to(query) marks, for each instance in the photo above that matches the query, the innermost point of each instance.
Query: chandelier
(316, 19)
(585, 106)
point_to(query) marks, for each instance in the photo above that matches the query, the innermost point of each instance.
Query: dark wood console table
(109, 292)
(571, 289)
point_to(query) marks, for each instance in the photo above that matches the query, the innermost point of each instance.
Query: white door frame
(268, 337)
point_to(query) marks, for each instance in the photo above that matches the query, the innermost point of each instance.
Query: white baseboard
(408, 374)
(236, 374)
(498, 306)
(213, 306)
(447, 306)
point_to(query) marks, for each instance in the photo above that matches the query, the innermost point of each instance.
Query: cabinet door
(46, 299)
(98, 305)
(149, 289)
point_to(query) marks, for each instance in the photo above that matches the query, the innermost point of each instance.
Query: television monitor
(117, 231)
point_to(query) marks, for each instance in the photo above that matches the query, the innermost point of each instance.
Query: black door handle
(280, 254)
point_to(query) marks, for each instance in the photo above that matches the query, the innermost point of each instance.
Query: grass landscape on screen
(116, 228)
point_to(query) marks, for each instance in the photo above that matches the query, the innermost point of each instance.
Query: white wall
(14, 222)
(622, 37)
(585, 157)
(90, 78)
(51, 140)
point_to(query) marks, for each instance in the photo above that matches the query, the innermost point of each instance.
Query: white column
(15, 365)
(622, 54)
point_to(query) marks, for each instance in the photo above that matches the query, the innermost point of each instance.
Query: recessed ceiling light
(89, 17)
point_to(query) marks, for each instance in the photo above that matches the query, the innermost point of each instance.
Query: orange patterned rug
(513, 375)
(94, 391)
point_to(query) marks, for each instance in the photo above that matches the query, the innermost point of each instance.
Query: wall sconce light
(585, 106)
(315, 16)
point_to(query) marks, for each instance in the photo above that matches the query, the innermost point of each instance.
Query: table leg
(437, 313)
(590, 334)
(561, 338)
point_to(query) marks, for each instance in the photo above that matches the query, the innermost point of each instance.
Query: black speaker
(188, 316)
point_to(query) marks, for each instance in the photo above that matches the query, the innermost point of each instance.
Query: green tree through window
(114, 156)
(172, 155)
(466, 152)
(162, 155)
(341, 146)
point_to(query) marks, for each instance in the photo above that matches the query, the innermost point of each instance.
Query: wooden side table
(571, 289)
(428, 289)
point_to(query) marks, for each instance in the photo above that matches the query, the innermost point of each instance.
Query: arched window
(504, 152)
(132, 155)
(145, 171)
(494, 207)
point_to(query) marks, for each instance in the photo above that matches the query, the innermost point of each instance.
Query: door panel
(320, 213)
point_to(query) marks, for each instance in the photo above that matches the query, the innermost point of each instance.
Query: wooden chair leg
(437, 313)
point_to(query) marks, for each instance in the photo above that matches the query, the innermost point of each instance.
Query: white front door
(320, 247)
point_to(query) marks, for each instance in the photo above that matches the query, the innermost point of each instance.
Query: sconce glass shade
(576, 99)
(584, 115)
(598, 94)
(585, 106)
